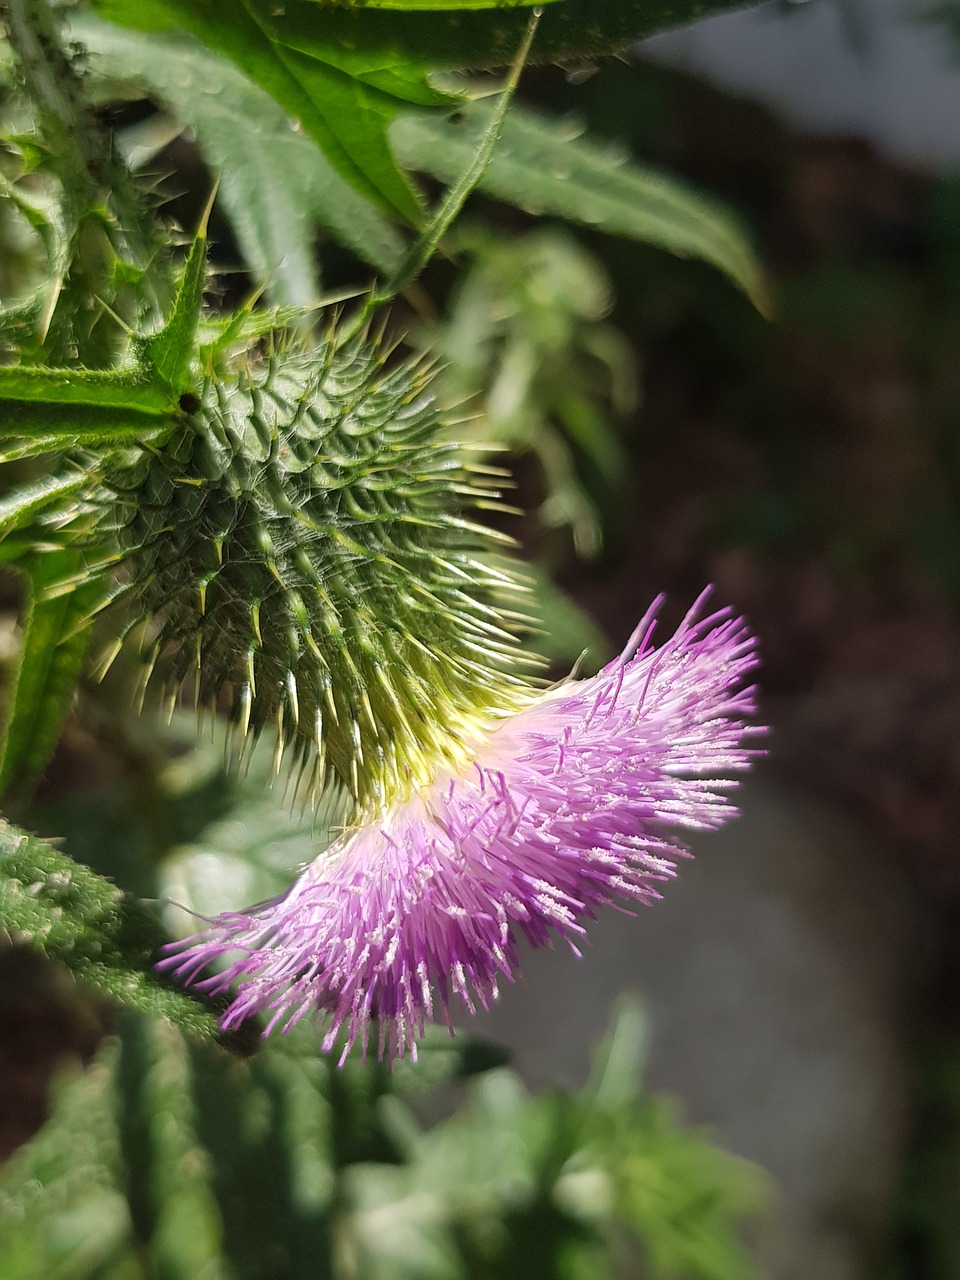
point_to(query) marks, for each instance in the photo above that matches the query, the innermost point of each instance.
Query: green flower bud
(299, 549)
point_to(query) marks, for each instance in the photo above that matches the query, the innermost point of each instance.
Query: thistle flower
(561, 807)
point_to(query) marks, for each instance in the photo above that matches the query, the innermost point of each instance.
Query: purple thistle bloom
(565, 806)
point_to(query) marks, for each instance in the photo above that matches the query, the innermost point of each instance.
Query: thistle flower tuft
(563, 806)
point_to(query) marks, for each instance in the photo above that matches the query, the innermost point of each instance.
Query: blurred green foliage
(928, 1241)
(173, 1160)
(527, 349)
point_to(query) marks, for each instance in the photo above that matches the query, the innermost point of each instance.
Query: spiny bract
(299, 549)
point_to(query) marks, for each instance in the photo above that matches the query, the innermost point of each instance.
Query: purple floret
(566, 806)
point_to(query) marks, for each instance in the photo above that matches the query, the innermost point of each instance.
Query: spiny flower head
(298, 550)
(564, 806)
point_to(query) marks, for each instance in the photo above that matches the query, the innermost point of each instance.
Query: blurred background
(798, 990)
(801, 977)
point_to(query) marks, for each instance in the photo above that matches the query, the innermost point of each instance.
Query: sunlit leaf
(549, 168)
(63, 1214)
(431, 5)
(166, 1177)
(169, 352)
(345, 114)
(468, 39)
(275, 185)
(131, 390)
(19, 506)
(42, 428)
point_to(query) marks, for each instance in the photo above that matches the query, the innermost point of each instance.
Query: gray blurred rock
(778, 973)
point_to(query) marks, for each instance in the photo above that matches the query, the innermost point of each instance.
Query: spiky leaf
(169, 353)
(449, 40)
(343, 107)
(547, 167)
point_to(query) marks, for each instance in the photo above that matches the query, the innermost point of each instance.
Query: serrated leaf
(548, 168)
(62, 1213)
(265, 1128)
(49, 220)
(345, 115)
(349, 121)
(166, 1175)
(170, 351)
(48, 410)
(42, 429)
(106, 939)
(52, 653)
(275, 185)
(432, 5)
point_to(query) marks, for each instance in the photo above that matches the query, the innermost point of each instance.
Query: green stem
(424, 247)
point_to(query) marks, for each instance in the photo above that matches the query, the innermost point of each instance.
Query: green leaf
(547, 168)
(616, 1075)
(17, 548)
(169, 1159)
(170, 352)
(45, 410)
(54, 646)
(457, 194)
(82, 921)
(166, 1173)
(50, 220)
(38, 429)
(130, 389)
(20, 506)
(463, 39)
(432, 5)
(275, 185)
(63, 1215)
(263, 1127)
(346, 114)
(348, 119)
